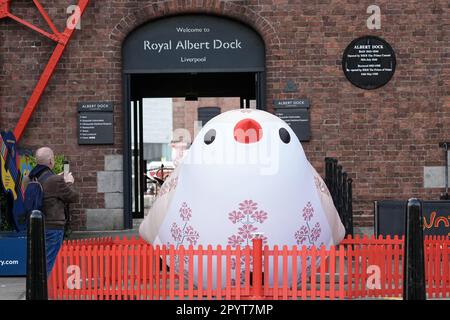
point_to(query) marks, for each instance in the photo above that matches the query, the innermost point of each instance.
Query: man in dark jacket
(58, 192)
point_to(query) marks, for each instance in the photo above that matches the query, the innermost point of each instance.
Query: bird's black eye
(284, 135)
(210, 136)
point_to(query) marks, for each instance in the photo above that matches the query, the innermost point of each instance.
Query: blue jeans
(53, 242)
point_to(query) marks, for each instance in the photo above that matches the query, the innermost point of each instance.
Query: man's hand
(69, 178)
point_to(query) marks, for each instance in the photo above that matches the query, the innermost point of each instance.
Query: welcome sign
(193, 43)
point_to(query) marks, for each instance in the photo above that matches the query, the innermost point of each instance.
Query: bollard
(257, 276)
(414, 262)
(36, 286)
(445, 146)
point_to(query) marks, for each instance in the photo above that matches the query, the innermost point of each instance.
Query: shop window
(207, 113)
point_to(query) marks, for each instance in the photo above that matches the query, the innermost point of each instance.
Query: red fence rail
(116, 269)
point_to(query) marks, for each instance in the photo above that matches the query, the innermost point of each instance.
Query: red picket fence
(129, 269)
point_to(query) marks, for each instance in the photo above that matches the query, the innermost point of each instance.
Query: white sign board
(157, 120)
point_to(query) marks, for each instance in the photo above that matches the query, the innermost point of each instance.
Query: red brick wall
(383, 138)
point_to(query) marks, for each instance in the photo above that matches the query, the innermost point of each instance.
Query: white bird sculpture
(245, 175)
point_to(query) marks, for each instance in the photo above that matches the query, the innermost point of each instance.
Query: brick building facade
(386, 139)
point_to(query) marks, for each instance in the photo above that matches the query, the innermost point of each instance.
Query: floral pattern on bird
(184, 234)
(185, 212)
(168, 186)
(307, 234)
(321, 186)
(247, 216)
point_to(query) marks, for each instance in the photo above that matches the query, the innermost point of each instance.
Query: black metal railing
(446, 146)
(340, 187)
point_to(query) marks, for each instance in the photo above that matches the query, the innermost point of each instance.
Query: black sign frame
(352, 79)
(298, 108)
(390, 215)
(104, 135)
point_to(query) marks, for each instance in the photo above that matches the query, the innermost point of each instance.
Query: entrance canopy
(193, 44)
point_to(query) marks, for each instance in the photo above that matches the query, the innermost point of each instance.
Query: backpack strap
(44, 176)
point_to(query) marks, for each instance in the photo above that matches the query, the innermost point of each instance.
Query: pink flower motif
(168, 186)
(235, 241)
(308, 211)
(315, 232)
(185, 212)
(259, 216)
(301, 235)
(321, 186)
(235, 216)
(248, 206)
(176, 232)
(246, 231)
(173, 183)
(192, 236)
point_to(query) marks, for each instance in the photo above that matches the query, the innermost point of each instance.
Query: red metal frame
(62, 39)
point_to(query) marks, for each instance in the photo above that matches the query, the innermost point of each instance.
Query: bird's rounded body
(245, 176)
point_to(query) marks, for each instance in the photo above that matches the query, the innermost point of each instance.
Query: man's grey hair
(44, 156)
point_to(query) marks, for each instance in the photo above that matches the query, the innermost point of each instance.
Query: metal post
(36, 286)
(350, 206)
(136, 158)
(257, 275)
(339, 199)
(328, 168)
(414, 263)
(127, 153)
(145, 177)
(333, 190)
(344, 200)
(141, 168)
(445, 145)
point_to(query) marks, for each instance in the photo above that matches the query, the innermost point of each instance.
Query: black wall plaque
(390, 217)
(296, 115)
(369, 62)
(95, 123)
(193, 43)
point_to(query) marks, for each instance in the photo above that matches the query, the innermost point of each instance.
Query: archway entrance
(179, 72)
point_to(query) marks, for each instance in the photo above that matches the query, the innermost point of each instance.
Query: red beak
(247, 131)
